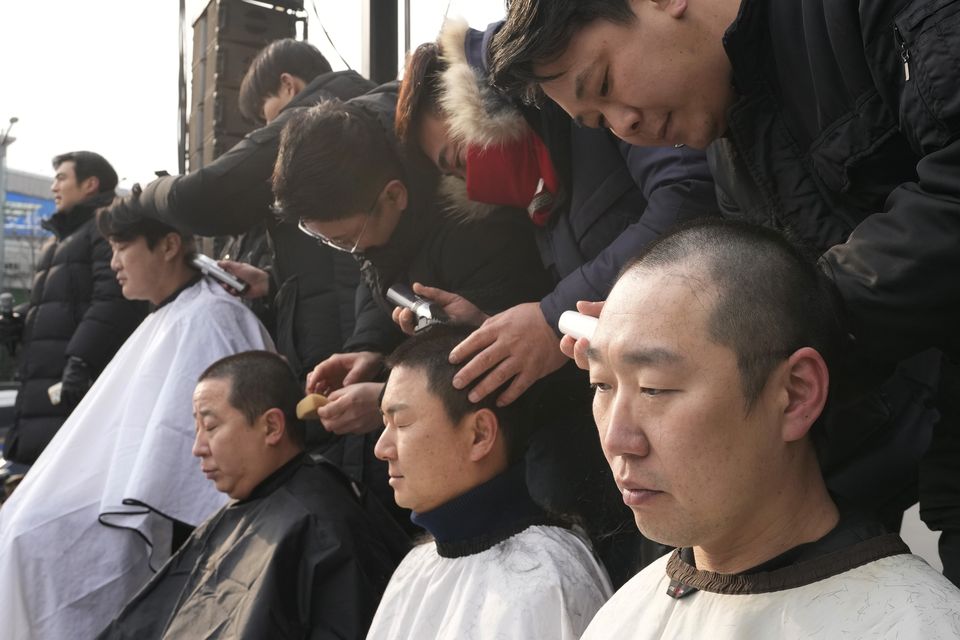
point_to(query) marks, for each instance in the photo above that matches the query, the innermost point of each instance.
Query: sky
(103, 74)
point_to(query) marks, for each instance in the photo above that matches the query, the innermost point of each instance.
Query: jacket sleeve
(898, 270)
(493, 261)
(677, 186)
(110, 318)
(374, 329)
(228, 196)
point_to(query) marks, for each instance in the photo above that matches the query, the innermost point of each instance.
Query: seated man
(710, 372)
(300, 552)
(498, 566)
(102, 506)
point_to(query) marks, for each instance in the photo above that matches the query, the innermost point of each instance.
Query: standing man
(307, 295)
(838, 121)
(77, 318)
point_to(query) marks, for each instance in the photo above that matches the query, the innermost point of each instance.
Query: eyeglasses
(340, 245)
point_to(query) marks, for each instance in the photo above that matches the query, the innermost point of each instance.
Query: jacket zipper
(904, 52)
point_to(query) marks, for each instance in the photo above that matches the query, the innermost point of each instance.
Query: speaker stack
(226, 38)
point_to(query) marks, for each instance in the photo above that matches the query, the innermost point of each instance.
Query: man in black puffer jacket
(77, 318)
(310, 288)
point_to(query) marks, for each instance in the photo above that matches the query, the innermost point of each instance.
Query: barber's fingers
(405, 319)
(434, 294)
(495, 378)
(479, 340)
(580, 353)
(589, 308)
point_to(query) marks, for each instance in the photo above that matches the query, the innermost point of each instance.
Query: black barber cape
(307, 555)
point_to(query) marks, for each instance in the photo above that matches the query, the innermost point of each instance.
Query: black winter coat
(847, 132)
(76, 309)
(314, 301)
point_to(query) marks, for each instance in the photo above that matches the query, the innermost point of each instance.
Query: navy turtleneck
(484, 516)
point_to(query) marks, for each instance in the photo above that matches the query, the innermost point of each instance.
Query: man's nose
(623, 120)
(385, 449)
(200, 448)
(114, 263)
(624, 433)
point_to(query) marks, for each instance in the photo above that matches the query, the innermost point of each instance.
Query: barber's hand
(457, 308)
(258, 279)
(352, 409)
(342, 370)
(76, 380)
(577, 349)
(517, 343)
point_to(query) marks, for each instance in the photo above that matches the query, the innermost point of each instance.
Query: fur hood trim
(452, 195)
(476, 113)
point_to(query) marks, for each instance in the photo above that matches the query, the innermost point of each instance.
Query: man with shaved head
(710, 376)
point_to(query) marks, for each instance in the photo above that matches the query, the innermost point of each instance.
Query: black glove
(76, 382)
(11, 331)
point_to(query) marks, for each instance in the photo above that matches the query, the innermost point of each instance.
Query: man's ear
(806, 381)
(291, 83)
(90, 186)
(673, 8)
(275, 426)
(484, 430)
(171, 245)
(395, 193)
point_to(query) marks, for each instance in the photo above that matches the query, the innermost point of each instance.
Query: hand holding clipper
(426, 312)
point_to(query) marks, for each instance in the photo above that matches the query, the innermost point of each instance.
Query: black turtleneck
(484, 516)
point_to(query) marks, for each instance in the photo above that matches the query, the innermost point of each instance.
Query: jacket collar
(308, 95)
(746, 42)
(63, 223)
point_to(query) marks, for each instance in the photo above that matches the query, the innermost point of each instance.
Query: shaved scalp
(772, 298)
(260, 381)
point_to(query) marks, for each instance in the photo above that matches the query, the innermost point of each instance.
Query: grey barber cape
(868, 588)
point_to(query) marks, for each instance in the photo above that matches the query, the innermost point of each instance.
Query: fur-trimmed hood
(476, 113)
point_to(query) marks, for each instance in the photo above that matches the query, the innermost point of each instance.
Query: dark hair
(773, 299)
(123, 221)
(87, 164)
(419, 92)
(260, 381)
(262, 80)
(333, 160)
(429, 351)
(538, 32)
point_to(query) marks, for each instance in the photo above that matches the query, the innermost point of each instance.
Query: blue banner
(23, 215)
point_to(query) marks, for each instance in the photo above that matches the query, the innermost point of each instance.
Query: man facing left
(77, 318)
(299, 552)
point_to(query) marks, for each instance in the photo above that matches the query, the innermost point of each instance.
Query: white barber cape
(542, 583)
(81, 532)
(895, 596)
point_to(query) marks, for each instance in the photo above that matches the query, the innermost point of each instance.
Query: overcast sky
(102, 74)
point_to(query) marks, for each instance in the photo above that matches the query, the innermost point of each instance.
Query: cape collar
(277, 479)
(855, 541)
(484, 516)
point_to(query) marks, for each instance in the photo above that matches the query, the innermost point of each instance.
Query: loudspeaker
(226, 38)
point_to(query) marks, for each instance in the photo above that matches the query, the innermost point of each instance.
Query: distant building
(29, 202)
